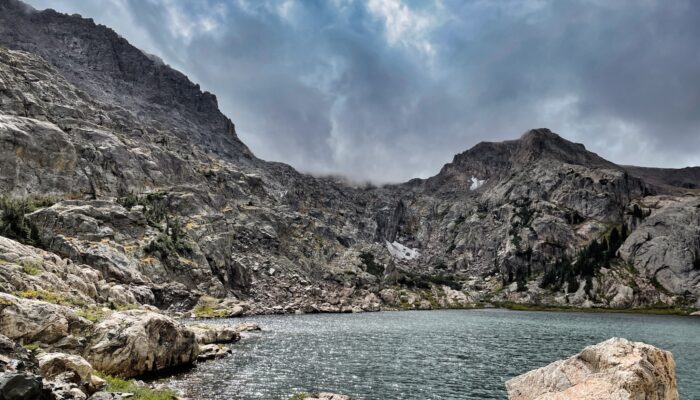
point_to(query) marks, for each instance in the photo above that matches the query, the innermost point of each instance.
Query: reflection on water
(465, 354)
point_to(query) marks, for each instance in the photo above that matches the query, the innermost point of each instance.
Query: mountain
(134, 189)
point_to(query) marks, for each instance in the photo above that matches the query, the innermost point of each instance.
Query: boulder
(29, 321)
(212, 351)
(21, 386)
(247, 327)
(326, 396)
(614, 369)
(133, 343)
(208, 334)
(70, 368)
(15, 358)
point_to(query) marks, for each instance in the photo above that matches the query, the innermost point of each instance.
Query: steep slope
(104, 65)
(115, 161)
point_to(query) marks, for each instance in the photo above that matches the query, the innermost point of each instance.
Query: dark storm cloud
(386, 91)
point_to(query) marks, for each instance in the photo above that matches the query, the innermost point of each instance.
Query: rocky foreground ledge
(50, 352)
(614, 369)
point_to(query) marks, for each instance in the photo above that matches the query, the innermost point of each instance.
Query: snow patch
(402, 252)
(476, 183)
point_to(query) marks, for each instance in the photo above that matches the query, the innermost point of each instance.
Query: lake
(446, 354)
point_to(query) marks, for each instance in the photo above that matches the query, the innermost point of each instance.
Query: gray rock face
(158, 203)
(15, 358)
(614, 369)
(665, 246)
(132, 343)
(21, 386)
(28, 321)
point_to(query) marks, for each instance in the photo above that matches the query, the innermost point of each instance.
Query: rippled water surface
(466, 354)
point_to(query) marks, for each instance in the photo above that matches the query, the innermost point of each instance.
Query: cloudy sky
(388, 90)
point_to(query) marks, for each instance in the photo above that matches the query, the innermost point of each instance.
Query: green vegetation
(299, 396)
(172, 242)
(13, 221)
(208, 308)
(522, 219)
(32, 347)
(30, 267)
(49, 297)
(420, 281)
(659, 309)
(140, 392)
(93, 314)
(637, 212)
(587, 263)
(43, 295)
(370, 265)
(154, 205)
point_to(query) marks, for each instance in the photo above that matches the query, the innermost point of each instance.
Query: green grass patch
(93, 314)
(49, 297)
(656, 310)
(32, 347)
(208, 307)
(119, 385)
(30, 267)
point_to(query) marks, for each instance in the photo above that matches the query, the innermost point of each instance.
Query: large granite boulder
(614, 369)
(136, 342)
(29, 321)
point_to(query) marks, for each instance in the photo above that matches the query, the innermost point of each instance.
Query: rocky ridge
(127, 196)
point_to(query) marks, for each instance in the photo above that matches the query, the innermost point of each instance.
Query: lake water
(451, 354)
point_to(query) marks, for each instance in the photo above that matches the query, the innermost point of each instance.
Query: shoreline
(679, 312)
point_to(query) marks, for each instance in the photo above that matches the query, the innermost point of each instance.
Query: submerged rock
(325, 396)
(212, 351)
(614, 369)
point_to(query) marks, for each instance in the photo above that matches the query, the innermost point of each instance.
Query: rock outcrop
(665, 246)
(34, 321)
(176, 213)
(614, 369)
(136, 342)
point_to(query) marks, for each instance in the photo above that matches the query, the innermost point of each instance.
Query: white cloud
(402, 25)
(186, 23)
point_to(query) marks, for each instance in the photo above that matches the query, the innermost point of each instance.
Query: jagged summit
(154, 192)
(542, 143)
(492, 161)
(100, 62)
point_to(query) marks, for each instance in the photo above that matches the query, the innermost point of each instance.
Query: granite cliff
(126, 167)
(124, 187)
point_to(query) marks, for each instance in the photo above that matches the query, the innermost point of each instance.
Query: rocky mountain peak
(106, 66)
(492, 161)
(541, 143)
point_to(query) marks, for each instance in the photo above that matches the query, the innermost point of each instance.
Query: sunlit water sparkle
(451, 354)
